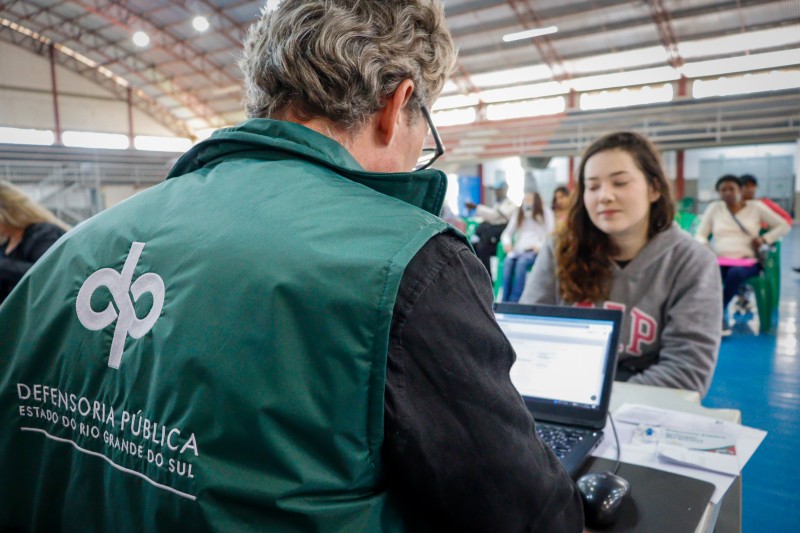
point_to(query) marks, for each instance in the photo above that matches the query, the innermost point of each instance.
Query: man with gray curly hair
(308, 347)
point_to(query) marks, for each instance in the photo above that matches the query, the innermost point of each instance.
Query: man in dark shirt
(289, 415)
(458, 437)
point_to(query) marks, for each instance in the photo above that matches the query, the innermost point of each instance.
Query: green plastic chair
(687, 221)
(685, 205)
(472, 225)
(766, 288)
(501, 259)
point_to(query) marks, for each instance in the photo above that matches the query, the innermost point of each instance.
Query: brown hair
(538, 210)
(583, 251)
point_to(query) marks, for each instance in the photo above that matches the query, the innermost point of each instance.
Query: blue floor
(760, 376)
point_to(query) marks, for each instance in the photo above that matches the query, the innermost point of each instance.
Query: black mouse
(602, 494)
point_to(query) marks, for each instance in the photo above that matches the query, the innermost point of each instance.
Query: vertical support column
(130, 118)
(56, 112)
(682, 86)
(680, 182)
(571, 182)
(480, 180)
(572, 100)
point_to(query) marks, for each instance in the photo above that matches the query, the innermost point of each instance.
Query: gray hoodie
(671, 298)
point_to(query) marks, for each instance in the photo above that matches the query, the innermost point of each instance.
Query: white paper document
(686, 444)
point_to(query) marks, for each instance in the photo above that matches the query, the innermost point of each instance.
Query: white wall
(691, 168)
(27, 101)
(508, 168)
(797, 178)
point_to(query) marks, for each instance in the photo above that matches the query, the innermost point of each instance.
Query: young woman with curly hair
(620, 250)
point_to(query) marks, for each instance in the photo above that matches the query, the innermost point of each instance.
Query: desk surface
(659, 502)
(664, 398)
(688, 402)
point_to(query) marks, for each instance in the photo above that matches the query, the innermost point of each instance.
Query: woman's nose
(606, 194)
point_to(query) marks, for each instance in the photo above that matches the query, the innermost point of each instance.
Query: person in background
(522, 239)
(735, 224)
(245, 368)
(749, 191)
(495, 218)
(27, 231)
(621, 250)
(560, 204)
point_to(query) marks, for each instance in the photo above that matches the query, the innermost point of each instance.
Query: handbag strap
(738, 223)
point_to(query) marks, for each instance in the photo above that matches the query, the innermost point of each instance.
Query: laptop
(566, 360)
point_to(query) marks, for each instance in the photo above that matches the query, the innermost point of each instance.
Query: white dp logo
(121, 288)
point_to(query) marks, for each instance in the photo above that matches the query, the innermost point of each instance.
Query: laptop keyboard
(560, 439)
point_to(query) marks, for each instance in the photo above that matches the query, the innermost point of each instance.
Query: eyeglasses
(429, 155)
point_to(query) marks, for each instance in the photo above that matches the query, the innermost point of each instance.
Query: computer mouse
(603, 494)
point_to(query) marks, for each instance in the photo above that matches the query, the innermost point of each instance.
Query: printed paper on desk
(704, 450)
(631, 416)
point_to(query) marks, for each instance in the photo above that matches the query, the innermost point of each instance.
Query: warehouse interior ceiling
(536, 95)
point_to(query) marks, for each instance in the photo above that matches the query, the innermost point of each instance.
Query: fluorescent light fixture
(749, 41)
(458, 100)
(26, 136)
(524, 92)
(529, 108)
(627, 97)
(141, 39)
(89, 139)
(652, 55)
(717, 67)
(512, 76)
(161, 144)
(529, 34)
(200, 23)
(624, 79)
(776, 80)
(454, 117)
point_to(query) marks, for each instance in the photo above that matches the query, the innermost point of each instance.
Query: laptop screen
(566, 357)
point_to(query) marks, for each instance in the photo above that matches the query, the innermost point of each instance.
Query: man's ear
(390, 116)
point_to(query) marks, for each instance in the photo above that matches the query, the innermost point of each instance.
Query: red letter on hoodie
(643, 330)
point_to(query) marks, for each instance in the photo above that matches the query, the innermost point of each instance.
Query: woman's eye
(620, 183)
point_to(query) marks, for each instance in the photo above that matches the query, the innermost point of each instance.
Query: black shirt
(36, 240)
(460, 444)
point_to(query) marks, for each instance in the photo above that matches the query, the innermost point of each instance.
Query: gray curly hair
(341, 59)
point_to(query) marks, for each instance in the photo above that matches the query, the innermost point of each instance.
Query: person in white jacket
(735, 225)
(522, 239)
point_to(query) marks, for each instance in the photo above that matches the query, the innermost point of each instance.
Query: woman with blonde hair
(621, 250)
(27, 231)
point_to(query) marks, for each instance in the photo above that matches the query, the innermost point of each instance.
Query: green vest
(211, 353)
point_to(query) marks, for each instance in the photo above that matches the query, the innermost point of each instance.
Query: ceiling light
(26, 136)
(529, 108)
(200, 23)
(529, 34)
(161, 144)
(141, 39)
(90, 139)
